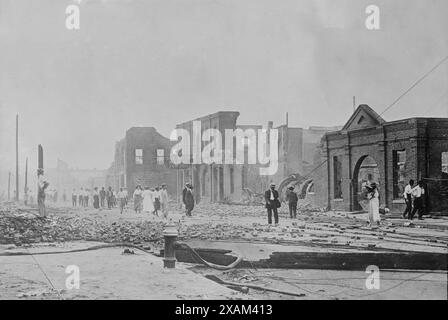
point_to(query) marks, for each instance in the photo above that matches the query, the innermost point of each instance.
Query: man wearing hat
(188, 198)
(292, 199)
(272, 203)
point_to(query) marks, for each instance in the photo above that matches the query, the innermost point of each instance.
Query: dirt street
(235, 227)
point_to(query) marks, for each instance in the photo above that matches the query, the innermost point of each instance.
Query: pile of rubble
(23, 226)
(304, 206)
(228, 210)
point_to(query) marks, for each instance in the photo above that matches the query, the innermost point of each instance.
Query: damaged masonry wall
(137, 161)
(400, 150)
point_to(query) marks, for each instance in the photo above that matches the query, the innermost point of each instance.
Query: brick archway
(403, 149)
(373, 168)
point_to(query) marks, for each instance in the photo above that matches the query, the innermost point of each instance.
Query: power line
(415, 84)
(45, 275)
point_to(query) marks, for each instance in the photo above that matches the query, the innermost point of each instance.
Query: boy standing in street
(292, 199)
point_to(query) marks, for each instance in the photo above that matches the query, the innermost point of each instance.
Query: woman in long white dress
(374, 205)
(148, 205)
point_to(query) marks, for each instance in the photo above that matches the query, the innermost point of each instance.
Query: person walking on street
(109, 196)
(125, 190)
(188, 199)
(102, 197)
(96, 198)
(418, 193)
(114, 198)
(148, 204)
(138, 199)
(86, 197)
(74, 197)
(272, 203)
(374, 204)
(156, 198)
(292, 199)
(164, 200)
(81, 198)
(121, 198)
(408, 198)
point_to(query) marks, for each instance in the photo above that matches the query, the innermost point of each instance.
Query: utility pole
(354, 104)
(40, 159)
(9, 185)
(41, 189)
(17, 157)
(25, 190)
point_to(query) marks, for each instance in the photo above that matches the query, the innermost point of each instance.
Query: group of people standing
(151, 200)
(413, 196)
(100, 198)
(272, 202)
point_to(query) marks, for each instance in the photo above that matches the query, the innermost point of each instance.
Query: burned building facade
(231, 182)
(390, 153)
(142, 158)
(217, 181)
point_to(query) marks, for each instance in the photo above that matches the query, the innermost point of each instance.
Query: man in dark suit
(102, 197)
(188, 198)
(272, 203)
(292, 199)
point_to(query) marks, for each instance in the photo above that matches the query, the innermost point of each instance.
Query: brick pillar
(320, 177)
(382, 163)
(347, 188)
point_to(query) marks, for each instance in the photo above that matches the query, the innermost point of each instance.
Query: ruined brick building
(228, 182)
(390, 153)
(142, 158)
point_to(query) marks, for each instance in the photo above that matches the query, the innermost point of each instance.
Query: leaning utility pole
(17, 157)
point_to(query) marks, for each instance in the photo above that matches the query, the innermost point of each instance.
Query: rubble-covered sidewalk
(239, 228)
(21, 226)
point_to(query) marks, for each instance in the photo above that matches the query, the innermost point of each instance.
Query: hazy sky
(162, 62)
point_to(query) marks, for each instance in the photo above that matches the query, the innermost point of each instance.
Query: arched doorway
(292, 180)
(366, 171)
(304, 187)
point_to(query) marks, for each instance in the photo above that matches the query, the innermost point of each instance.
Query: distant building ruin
(142, 158)
(64, 178)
